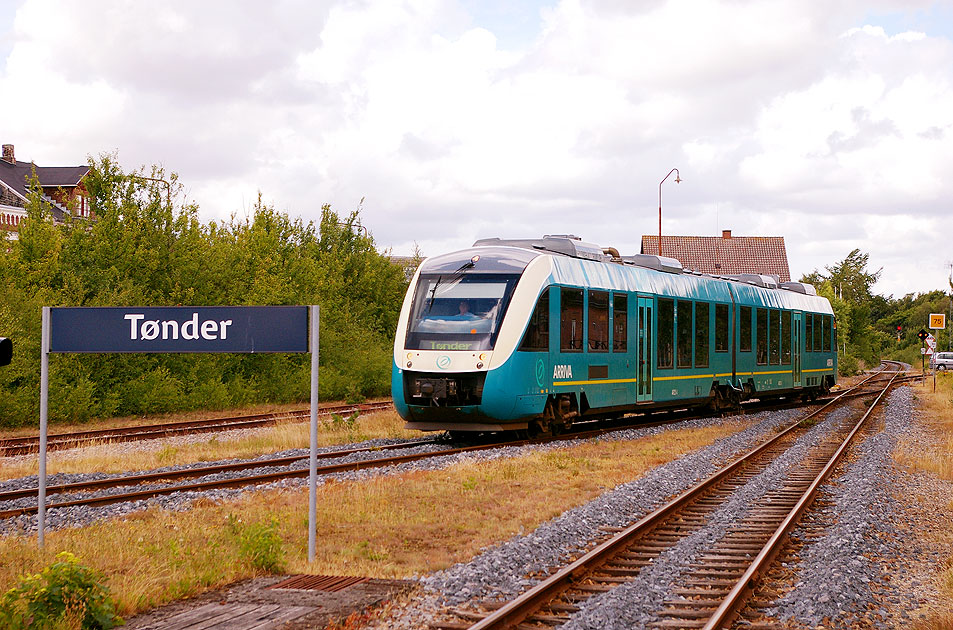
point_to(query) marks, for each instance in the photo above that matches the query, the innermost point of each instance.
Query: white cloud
(805, 120)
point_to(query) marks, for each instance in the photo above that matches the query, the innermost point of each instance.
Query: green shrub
(258, 544)
(156, 391)
(64, 592)
(847, 365)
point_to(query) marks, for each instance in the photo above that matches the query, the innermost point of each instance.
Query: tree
(146, 249)
(847, 285)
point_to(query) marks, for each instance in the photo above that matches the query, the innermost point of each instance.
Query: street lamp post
(677, 180)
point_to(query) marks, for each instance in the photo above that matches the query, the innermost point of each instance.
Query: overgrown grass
(104, 457)
(937, 405)
(389, 527)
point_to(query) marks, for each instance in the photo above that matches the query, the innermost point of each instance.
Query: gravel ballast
(849, 573)
(503, 571)
(80, 516)
(868, 565)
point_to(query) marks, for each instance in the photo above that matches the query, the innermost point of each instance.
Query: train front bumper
(462, 401)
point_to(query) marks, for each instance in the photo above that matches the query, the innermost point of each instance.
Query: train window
(744, 326)
(459, 311)
(762, 334)
(598, 321)
(666, 332)
(570, 320)
(786, 338)
(818, 332)
(774, 333)
(684, 318)
(620, 322)
(826, 326)
(701, 334)
(809, 333)
(721, 328)
(536, 338)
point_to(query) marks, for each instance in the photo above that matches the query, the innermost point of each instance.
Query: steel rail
(517, 610)
(29, 444)
(271, 477)
(111, 482)
(579, 432)
(738, 594)
(292, 474)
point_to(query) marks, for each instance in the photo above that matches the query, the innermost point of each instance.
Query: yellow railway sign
(937, 321)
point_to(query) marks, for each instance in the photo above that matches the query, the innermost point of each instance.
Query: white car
(941, 361)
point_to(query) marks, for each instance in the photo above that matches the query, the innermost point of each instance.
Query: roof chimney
(8, 155)
(726, 234)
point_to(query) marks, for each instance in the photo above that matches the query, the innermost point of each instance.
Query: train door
(796, 347)
(644, 350)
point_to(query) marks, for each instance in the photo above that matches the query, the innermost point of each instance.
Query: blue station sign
(240, 329)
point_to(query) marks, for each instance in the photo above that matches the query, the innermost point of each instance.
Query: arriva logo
(443, 362)
(562, 371)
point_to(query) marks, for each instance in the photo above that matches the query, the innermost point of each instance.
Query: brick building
(726, 255)
(62, 187)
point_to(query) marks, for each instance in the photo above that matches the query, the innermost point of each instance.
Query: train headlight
(410, 364)
(480, 365)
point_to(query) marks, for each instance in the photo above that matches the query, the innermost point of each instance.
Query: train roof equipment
(574, 247)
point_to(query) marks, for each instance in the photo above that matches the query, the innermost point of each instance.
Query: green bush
(258, 544)
(141, 251)
(64, 592)
(847, 365)
(157, 391)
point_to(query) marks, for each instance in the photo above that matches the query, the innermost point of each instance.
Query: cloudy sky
(827, 123)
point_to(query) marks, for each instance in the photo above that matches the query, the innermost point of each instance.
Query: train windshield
(458, 311)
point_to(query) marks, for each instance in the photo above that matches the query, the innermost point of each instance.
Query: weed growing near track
(258, 544)
(64, 594)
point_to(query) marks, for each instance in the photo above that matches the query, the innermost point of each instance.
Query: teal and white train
(533, 335)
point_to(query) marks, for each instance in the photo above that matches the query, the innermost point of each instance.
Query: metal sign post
(937, 322)
(44, 417)
(174, 329)
(313, 462)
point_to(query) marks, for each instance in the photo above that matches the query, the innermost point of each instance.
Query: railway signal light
(922, 335)
(6, 351)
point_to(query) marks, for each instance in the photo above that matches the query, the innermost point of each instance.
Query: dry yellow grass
(102, 457)
(393, 526)
(179, 416)
(937, 406)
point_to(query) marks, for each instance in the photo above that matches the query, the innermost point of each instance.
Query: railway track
(289, 471)
(148, 485)
(31, 444)
(291, 467)
(710, 593)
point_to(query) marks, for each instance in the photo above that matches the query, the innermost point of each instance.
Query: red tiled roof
(726, 254)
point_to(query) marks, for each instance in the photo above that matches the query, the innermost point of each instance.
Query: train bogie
(534, 335)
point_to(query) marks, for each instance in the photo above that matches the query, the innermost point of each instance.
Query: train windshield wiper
(455, 276)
